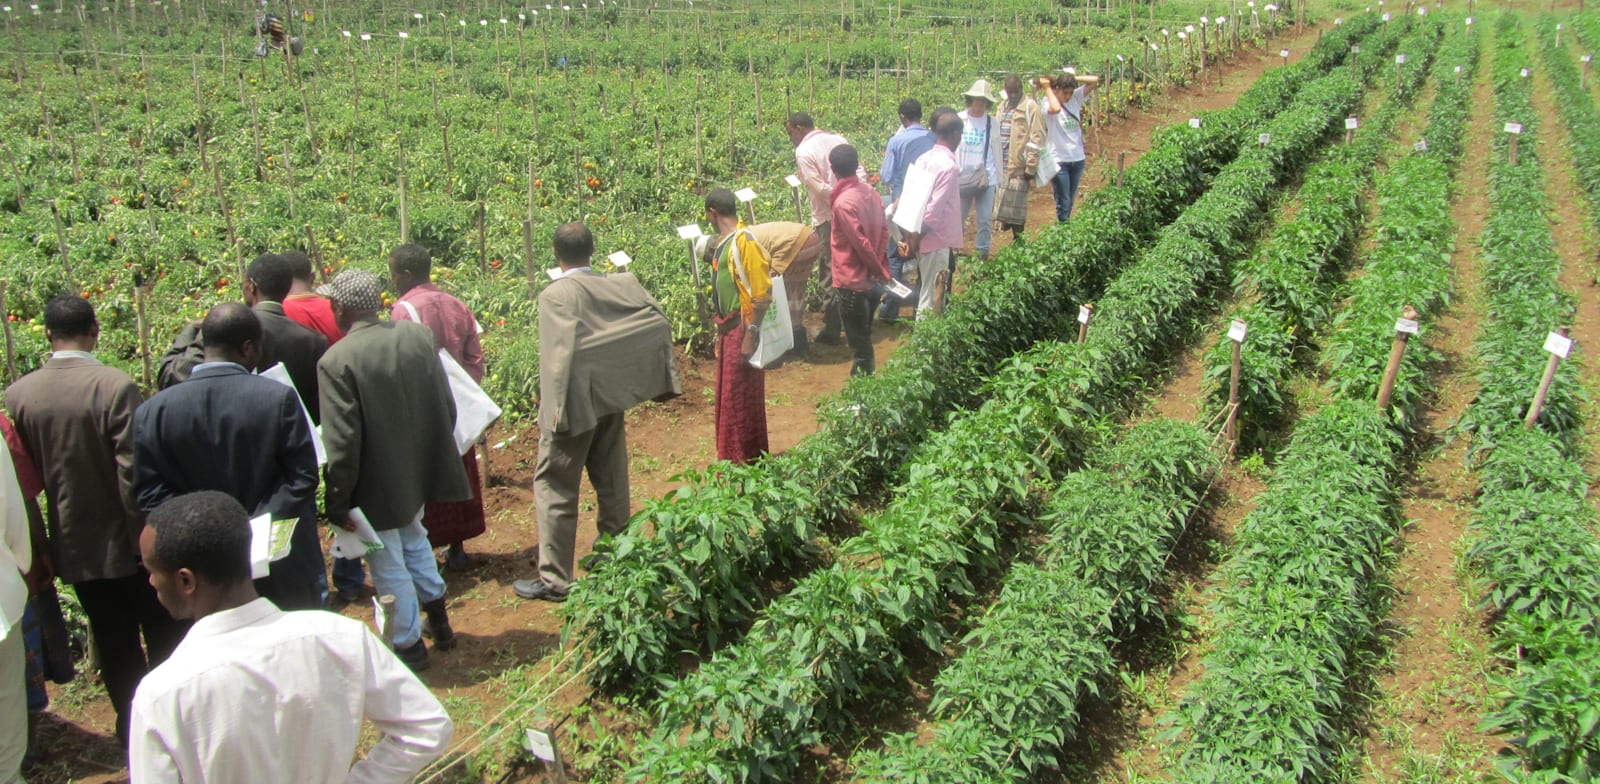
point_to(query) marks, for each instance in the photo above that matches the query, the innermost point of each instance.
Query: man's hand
(346, 523)
(41, 575)
(1042, 82)
(752, 339)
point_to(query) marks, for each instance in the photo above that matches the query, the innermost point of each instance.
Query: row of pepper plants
(688, 573)
(1288, 287)
(1012, 698)
(1533, 553)
(749, 713)
(1010, 701)
(1303, 593)
(127, 125)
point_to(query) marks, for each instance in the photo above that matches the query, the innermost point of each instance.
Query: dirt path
(1432, 689)
(504, 640)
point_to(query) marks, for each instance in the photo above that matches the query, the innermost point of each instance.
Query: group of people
(215, 659)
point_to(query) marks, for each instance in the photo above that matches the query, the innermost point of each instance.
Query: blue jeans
(348, 576)
(405, 569)
(985, 201)
(1065, 187)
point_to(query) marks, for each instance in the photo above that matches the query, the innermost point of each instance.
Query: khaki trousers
(603, 452)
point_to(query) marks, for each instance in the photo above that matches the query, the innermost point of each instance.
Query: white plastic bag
(777, 330)
(475, 412)
(1048, 166)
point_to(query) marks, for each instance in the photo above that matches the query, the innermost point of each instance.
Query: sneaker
(829, 339)
(538, 589)
(415, 656)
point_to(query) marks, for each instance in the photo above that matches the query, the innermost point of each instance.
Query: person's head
(573, 245)
(268, 278)
(300, 266)
(948, 130)
(70, 324)
(197, 548)
(979, 99)
(910, 111)
(939, 114)
(798, 125)
(356, 295)
(844, 160)
(231, 332)
(409, 266)
(1064, 84)
(721, 206)
(1013, 90)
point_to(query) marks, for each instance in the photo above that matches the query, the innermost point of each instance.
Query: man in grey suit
(266, 284)
(228, 430)
(76, 417)
(604, 346)
(388, 425)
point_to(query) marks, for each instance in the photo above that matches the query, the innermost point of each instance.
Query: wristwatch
(752, 326)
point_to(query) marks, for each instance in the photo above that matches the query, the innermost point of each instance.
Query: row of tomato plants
(1304, 591)
(1010, 701)
(688, 573)
(749, 712)
(1012, 698)
(1533, 555)
(1289, 286)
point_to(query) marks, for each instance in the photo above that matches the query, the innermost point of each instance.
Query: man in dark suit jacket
(267, 282)
(76, 417)
(228, 430)
(604, 346)
(388, 424)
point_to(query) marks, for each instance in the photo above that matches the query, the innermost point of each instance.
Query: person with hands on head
(860, 249)
(741, 292)
(257, 694)
(1065, 93)
(388, 426)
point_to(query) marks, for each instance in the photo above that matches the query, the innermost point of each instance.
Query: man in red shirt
(455, 330)
(303, 305)
(859, 243)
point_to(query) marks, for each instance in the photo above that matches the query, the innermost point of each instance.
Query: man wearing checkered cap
(388, 422)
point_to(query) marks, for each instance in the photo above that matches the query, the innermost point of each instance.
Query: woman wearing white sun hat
(979, 160)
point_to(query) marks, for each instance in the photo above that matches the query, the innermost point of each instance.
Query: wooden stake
(483, 246)
(1544, 387)
(1122, 162)
(1230, 427)
(140, 325)
(1397, 352)
(1085, 315)
(61, 239)
(288, 170)
(1513, 150)
(527, 257)
(11, 346)
(315, 252)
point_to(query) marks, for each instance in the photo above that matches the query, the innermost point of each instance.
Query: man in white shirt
(16, 559)
(811, 148)
(255, 694)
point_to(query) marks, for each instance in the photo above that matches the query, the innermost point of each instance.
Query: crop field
(1274, 464)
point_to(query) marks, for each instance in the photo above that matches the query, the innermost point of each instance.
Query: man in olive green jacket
(388, 423)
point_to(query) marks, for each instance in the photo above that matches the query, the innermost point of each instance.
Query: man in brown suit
(76, 417)
(388, 424)
(604, 346)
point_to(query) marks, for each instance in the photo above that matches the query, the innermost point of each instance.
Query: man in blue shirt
(907, 144)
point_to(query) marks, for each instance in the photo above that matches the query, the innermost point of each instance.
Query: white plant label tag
(1469, 21)
(1356, 49)
(1420, 146)
(1283, 52)
(1265, 138)
(1586, 58)
(554, 273)
(745, 194)
(1514, 127)
(1351, 123)
(899, 289)
(1408, 326)
(1385, 17)
(1194, 122)
(1525, 73)
(366, 36)
(1558, 344)
(1237, 331)
(689, 232)
(621, 258)
(1083, 314)
(539, 744)
(1458, 69)
(794, 182)
(1399, 59)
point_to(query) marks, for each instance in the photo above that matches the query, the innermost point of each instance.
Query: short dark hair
(207, 533)
(573, 243)
(272, 276)
(229, 325)
(948, 127)
(299, 265)
(1064, 81)
(412, 258)
(911, 109)
(722, 202)
(845, 160)
(68, 316)
(801, 120)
